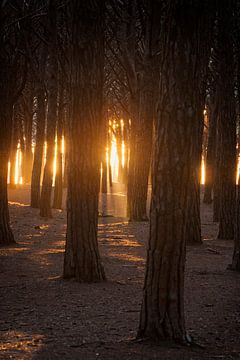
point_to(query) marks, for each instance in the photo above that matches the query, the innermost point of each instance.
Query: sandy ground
(46, 317)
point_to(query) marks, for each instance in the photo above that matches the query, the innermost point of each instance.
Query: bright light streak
(203, 174)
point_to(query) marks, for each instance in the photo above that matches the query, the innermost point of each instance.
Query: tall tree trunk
(226, 126)
(211, 152)
(13, 150)
(142, 146)
(38, 152)
(27, 106)
(82, 259)
(175, 144)
(45, 201)
(236, 252)
(6, 235)
(58, 188)
(193, 226)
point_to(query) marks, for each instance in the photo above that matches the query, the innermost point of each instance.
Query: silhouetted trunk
(226, 126)
(45, 201)
(82, 259)
(58, 187)
(6, 235)
(236, 252)
(104, 144)
(27, 106)
(38, 151)
(211, 152)
(13, 150)
(175, 145)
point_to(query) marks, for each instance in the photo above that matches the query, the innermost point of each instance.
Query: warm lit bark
(82, 259)
(175, 144)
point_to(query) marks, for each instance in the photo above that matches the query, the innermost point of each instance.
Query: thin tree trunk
(211, 151)
(13, 151)
(45, 201)
(28, 122)
(38, 153)
(58, 188)
(236, 252)
(82, 259)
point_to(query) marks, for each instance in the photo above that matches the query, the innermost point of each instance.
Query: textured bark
(175, 144)
(38, 153)
(45, 201)
(226, 127)
(82, 259)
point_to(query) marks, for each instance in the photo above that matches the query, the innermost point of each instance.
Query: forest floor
(46, 317)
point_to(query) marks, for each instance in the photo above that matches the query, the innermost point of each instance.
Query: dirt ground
(46, 317)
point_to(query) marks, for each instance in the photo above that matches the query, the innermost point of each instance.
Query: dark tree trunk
(6, 235)
(211, 152)
(104, 144)
(82, 259)
(13, 150)
(45, 201)
(38, 153)
(58, 188)
(236, 252)
(141, 147)
(226, 126)
(176, 142)
(27, 106)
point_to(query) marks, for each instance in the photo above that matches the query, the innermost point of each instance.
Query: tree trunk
(236, 252)
(211, 152)
(27, 106)
(58, 188)
(45, 201)
(13, 150)
(6, 235)
(82, 259)
(226, 126)
(38, 153)
(175, 144)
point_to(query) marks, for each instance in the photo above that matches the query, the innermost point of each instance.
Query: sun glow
(114, 159)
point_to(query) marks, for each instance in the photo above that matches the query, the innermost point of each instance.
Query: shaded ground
(45, 317)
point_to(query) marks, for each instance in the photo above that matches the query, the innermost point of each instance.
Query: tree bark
(38, 152)
(236, 252)
(45, 201)
(211, 151)
(226, 126)
(175, 144)
(58, 187)
(82, 259)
